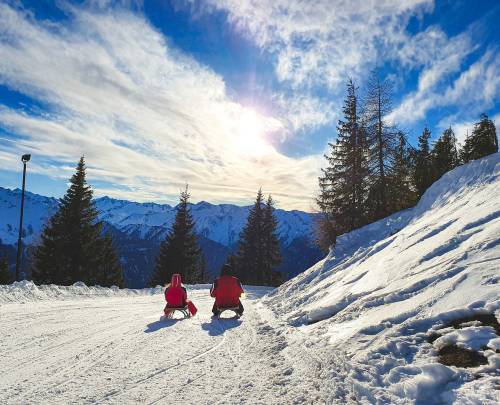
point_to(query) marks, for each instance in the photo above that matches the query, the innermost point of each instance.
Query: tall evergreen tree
(343, 184)
(272, 251)
(444, 153)
(326, 232)
(402, 193)
(180, 252)
(250, 253)
(71, 246)
(482, 142)
(5, 276)
(108, 269)
(423, 173)
(382, 140)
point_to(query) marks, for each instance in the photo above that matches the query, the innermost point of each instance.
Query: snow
(376, 297)
(27, 291)
(354, 328)
(473, 338)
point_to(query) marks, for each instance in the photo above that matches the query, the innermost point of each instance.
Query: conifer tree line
(73, 247)
(372, 170)
(255, 262)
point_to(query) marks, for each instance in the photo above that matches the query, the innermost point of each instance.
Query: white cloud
(318, 44)
(323, 42)
(146, 116)
(475, 89)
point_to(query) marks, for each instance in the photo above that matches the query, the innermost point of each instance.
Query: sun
(249, 136)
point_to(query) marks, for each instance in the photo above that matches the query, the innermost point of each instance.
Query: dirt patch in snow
(459, 357)
(483, 319)
(452, 354)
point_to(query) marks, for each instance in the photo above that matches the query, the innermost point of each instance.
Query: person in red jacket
(227, 291)
(176, 296)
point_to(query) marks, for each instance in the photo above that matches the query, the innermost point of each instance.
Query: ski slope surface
(388, 286)
(354, 328)
(77, 344)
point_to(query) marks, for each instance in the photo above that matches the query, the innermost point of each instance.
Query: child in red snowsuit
(227, 291)
(176, 296)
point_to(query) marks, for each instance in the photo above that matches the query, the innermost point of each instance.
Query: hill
(421, 285)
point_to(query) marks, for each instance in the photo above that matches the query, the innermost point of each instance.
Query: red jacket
(175, 294)
(227, 291)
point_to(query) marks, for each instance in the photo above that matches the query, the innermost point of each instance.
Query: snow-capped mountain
(37, 210)
(138, 229)
(220, 223)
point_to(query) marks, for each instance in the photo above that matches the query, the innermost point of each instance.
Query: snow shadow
(162, 323)
(217, 327)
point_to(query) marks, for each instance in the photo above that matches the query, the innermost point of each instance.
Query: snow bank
(27, 291)
(376, 296)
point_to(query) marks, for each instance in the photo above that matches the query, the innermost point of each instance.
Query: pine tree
(343, 185)
(445, 153)
(482, 142)
(180, 252)
(5, 276)
(272, 251)
(402, 193)
(71, 246)
(250, 254)
(423, 174)
(258, 253)
(382, 139)
(108, 271)
(325, 232)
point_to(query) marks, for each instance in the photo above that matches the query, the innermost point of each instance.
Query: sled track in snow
(115, 351)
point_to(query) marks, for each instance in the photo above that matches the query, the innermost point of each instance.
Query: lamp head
(26, 158)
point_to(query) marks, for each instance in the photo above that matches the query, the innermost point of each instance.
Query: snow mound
(376, 296)
(27, 291)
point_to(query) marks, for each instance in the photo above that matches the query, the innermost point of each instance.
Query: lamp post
(25, 159)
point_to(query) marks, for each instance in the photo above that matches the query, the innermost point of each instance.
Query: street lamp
(25, 159)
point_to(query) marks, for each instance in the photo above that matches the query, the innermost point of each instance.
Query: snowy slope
(376, 297)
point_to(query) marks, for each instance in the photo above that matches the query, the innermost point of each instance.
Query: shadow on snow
(217, 327)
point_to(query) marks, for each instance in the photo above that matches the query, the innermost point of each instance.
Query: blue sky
(227, 96)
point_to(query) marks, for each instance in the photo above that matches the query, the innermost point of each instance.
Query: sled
(169, 312)
(233, 309)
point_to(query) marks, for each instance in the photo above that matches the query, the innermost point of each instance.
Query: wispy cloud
(318, 44)
(474, 89)
(146, 116)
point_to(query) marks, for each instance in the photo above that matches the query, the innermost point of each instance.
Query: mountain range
(139, 228)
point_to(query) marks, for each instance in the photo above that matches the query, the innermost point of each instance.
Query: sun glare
(250, 134)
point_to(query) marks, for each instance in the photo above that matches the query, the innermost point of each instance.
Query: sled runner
(169, 312)
(233, 309)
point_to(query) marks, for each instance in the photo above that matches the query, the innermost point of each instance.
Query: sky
(226, 96)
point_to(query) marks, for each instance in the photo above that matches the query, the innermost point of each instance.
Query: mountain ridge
(138, 229)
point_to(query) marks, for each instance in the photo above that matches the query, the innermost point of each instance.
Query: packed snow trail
(116, 350)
